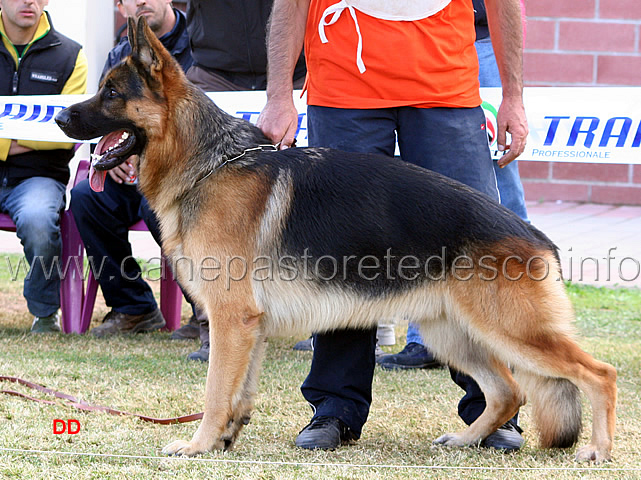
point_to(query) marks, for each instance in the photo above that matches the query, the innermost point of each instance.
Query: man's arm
(77, 82)
(16, 149)
(506, 32)
(285, 36)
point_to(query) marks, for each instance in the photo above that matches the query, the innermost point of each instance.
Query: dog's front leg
(235, 347)
(243, 401)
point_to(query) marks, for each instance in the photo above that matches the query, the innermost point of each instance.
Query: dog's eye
(112, 93)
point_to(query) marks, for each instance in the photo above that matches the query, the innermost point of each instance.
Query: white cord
(313, 464)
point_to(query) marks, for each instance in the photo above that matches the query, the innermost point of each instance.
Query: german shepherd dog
(351, 239)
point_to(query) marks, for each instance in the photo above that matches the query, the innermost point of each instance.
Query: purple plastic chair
(170, 293)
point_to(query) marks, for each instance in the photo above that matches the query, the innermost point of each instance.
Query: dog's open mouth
(112, 149)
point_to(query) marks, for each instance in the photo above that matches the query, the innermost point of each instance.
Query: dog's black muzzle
(63, 119)
(70, 122)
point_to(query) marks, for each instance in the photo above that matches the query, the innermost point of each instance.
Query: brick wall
(582, 43)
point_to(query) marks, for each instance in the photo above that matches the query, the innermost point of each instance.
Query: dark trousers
(450, 141)
(103, 220)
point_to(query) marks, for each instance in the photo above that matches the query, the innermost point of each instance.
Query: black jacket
(44, 70)
(228, 38)
(176, 41)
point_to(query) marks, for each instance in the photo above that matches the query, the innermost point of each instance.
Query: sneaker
(304, 345)
(122, 323)
(324, 433)
(507, 437)
(200, 355)
(50, 324)
(190, 331)
(413, 356)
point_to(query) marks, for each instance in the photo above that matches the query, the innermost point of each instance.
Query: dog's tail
(556, 405)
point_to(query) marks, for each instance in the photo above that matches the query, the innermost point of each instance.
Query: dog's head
(129, 107)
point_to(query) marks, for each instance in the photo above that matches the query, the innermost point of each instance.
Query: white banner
(567, 124)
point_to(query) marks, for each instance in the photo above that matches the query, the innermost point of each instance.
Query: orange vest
(430, 62)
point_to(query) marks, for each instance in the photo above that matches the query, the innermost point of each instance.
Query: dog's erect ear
(145, 46)
(131, 31)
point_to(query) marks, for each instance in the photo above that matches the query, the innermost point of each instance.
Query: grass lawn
(149, 374)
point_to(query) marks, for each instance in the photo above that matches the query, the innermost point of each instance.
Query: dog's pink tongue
(97, 179)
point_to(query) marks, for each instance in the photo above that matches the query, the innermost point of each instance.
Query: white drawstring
(337, 10)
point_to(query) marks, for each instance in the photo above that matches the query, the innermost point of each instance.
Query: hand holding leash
(279, 121)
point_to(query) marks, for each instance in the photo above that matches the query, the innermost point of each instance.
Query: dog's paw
(182, 448)
(591, 453)
(450, 440)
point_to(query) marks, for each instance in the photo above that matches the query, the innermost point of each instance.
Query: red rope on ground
(83, 405)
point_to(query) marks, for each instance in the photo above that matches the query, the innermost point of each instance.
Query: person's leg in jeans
(413, 335)
(339, 384)
(449, 141)
(35, 205)
(512, 197)
(414, 355)
(511, 189)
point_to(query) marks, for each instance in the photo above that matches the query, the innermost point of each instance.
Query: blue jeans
(508, 180)
(35, 205)
(447, 140)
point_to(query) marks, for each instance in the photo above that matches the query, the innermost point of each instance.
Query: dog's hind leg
(598, 381)
(550, 365)
(503, 396)
(236, 350)
(529, 325)
(555, 397)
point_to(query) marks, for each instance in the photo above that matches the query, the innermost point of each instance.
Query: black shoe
(200, 355)
(304, 345)
(414, 355)
(324, 433)
(190, 331)
(507, 437)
